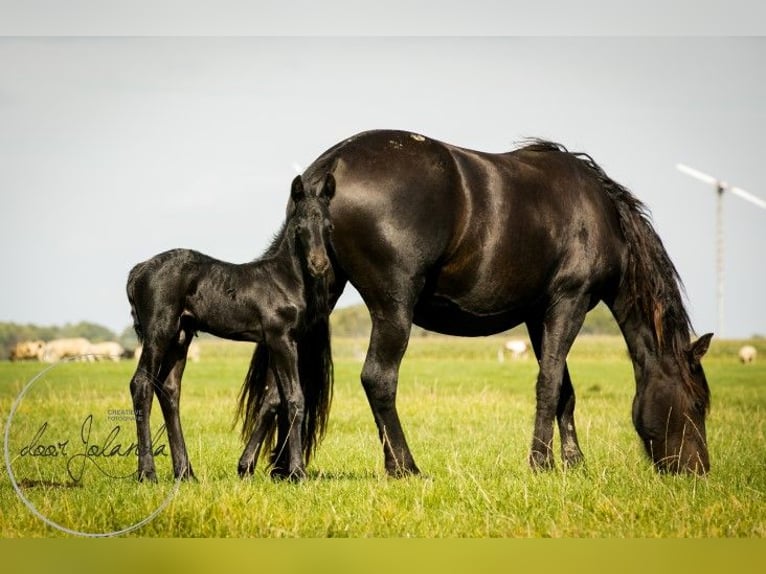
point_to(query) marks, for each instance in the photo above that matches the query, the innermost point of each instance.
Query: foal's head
(309, 219)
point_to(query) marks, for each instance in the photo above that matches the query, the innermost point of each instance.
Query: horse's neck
(640, 336)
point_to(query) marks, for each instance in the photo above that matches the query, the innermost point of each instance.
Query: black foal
(273, 301)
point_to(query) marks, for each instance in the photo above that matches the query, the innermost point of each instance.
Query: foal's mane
(315, 365)
(316, 289)
(653, 284)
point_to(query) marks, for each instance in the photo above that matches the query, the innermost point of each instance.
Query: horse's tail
(651, 280)
(315, 371)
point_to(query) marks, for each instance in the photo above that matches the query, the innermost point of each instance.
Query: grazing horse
(469, 243)
(271, 301)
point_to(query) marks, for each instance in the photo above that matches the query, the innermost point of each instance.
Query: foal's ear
(328, 187)
(698, 349)
(297, 192)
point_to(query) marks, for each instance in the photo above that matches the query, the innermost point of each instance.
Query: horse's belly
(443, 315)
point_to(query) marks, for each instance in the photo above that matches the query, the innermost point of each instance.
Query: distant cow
(747, 354)
(26, 350)
(58, 349)
(107, 351)
(516, 347)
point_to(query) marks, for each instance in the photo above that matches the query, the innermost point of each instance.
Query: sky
(113, 148)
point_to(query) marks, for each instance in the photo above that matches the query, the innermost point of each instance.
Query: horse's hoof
(403, 472)
(572, 459)
(541, 461)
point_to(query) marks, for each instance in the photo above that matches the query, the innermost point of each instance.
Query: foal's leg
(559, 329)
(284, 362)
(141, 386)
(168, 393)
(280, 456)
(380, 377)
(264, 422)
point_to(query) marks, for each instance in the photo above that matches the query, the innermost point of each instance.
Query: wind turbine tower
(721, 187)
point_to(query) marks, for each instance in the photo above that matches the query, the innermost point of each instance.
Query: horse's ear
(297, 192)
(328, 187)
(698, 349)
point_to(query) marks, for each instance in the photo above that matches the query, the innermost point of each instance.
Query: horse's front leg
(559, 329)
(571, 454)
(284, 366)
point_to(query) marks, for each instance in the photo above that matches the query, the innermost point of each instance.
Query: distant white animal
(106, 351)
(747, 354)
(26, 350)
(516, 347)
(58, 349)
(191, 355)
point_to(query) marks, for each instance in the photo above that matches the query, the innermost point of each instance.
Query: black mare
(279, 301)
(470, 243)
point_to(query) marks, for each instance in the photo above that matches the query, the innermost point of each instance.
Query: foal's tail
(130, 288)
(315, 369)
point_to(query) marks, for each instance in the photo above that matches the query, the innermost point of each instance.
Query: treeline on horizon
(353, 321)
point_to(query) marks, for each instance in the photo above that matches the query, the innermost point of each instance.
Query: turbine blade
(748, 196)
(697, 174)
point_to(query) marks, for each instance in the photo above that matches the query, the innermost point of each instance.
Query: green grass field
(468, 419)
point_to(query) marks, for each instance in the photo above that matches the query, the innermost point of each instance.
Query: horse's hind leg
(571, 454)
(168, 390)
(554, 391)
(380, 377)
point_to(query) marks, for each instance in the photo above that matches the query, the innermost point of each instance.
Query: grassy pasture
(468, 420)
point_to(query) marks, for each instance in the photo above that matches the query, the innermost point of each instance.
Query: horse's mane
(653, 283)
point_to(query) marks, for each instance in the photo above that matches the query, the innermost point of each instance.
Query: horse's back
(487, 235)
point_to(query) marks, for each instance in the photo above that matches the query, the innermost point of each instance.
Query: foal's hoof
(185, 474)
(147, 476)
(245, 470)
(295, 475)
